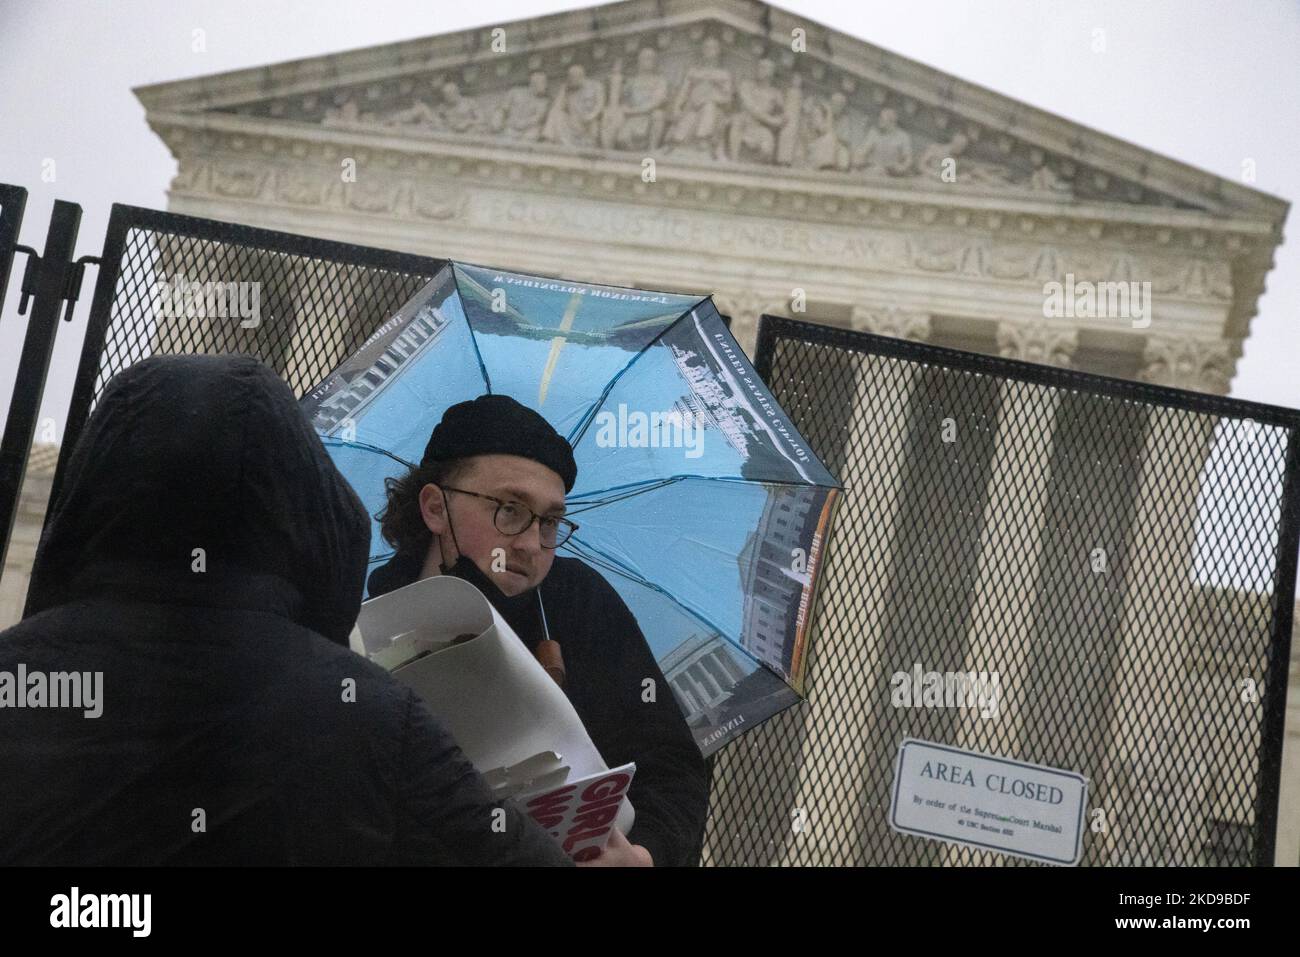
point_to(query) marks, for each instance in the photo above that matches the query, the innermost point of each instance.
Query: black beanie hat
(498, 425)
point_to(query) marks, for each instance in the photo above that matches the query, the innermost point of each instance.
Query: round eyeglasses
(515, 518)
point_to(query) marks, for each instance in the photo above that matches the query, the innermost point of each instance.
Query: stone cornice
(810, 194)
(1187, 256)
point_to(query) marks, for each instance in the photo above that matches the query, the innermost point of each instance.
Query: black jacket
(608, 663)
(207, 558)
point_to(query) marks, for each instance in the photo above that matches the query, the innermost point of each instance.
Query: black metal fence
(13, 462)
(13, 202)
(29, 382)
(174, 284)
(1121, 556)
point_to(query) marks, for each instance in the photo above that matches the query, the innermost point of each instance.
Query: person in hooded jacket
(206, 560)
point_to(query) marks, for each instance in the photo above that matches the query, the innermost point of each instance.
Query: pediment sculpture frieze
(708, 104)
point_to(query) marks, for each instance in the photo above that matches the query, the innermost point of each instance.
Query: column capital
(1204, 365)
(891, 321)
(1041, 341)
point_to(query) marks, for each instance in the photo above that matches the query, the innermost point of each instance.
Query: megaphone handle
(548, 650)
(552, 662)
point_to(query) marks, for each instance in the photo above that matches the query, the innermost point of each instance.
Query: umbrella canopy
(698, 500)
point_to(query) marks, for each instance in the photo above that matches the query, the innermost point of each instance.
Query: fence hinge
(28, 288)
(73, 287)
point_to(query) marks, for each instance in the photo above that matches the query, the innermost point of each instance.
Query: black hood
(211, 453)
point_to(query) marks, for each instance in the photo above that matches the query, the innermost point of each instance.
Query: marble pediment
(723, 85)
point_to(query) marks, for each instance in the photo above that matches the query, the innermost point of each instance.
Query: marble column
(1160, 788)
(1002, 615)
(835, 758)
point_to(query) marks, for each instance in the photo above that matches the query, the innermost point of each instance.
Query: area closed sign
(989, 802)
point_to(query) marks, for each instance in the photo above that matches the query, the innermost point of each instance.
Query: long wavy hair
(400, 523)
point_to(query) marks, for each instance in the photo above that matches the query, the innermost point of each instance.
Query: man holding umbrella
(486, 503)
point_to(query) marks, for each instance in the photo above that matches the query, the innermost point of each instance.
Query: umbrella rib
(587, 506)
(335, 440)
(455, 280)
(612, 564)
(581, 427)
(638, 488)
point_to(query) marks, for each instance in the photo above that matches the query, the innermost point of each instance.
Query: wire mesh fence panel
(1104, 572)
(179, 284)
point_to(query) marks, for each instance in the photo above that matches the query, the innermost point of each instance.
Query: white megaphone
(510, 718)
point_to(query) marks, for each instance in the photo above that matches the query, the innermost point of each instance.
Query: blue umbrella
(698, 500)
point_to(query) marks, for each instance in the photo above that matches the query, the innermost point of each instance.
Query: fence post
(13, 201)
(52, 277)
(1273, 730)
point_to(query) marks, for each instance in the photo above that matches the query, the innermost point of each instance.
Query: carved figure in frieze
(703, 103)
(823, 148)
(887, 150)
(417, 114)
(931, 164)
(1044, 179)
(635, 116)
(574, 117)
(347, 113)
(459, 113)
(754, 129)
(787, 139)
(523, 111)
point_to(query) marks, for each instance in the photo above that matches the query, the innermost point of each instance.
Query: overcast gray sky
(1208, 82)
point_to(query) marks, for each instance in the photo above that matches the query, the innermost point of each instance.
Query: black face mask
(521, 612)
